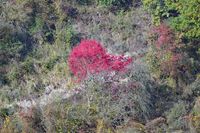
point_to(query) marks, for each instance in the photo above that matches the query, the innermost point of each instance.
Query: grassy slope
(120, 32)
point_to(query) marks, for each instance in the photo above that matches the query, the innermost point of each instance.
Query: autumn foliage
(91, 57)
(170, 60)
(165, 36)
(166, 43)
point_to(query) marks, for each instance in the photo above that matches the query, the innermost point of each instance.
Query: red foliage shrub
(90, 57)
(166, 42)
(168, 52)
(164, 35)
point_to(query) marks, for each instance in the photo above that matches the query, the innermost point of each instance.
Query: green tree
(182, 15)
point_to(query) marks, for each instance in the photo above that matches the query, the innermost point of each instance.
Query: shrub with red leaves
(164, 36)
(171, 61)
(166, 42)
(91, 57)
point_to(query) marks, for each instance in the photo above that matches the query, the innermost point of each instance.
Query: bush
(157, 9)
(166, 58)
(90, 57)
(120, 4)
(84, 2)
(100, 104)
(105, 2)
(196, 115)
(193, 90)
(182, 15)
(175, 117)
(188, 19)
(117, 102)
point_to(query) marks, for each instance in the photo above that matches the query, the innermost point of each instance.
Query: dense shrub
(115, 103)
(175, 117)
(188, 19)
(36, 37)
(84, 2)
(100, 104)
(165, 57)
(90, 57)
(102, 101)
(195, 120)
(182, 15)
(157, 9)
(193, 90)
(120, 4)
(104, 2)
